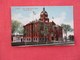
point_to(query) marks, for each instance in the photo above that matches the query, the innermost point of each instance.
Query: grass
(41, 43)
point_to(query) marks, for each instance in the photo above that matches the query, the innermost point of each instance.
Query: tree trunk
(66, 35)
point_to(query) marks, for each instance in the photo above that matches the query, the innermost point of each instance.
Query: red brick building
(42, 30)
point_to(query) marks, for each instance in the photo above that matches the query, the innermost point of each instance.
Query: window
(36, 34)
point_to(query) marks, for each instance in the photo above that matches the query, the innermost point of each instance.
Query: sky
(61, 14)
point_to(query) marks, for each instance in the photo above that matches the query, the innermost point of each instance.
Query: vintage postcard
(42, 25)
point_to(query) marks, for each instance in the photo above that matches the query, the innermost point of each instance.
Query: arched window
(52, 34)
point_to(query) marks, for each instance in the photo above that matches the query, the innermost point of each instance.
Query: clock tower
(44, 16)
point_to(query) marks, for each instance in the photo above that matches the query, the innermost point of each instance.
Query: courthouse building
(42, 30)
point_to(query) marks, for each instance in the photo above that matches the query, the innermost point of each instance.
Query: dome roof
(44, 12)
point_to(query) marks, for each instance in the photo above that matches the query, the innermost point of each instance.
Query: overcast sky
(61, 14)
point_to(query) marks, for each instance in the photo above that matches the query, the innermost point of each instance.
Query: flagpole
(33, 15)
(53, 18)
